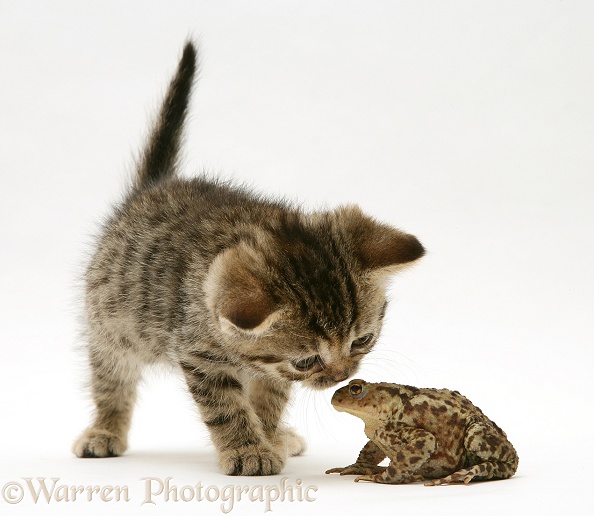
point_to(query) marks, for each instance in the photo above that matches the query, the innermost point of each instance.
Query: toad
(432, 435)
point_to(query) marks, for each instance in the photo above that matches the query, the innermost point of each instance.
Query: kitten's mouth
(322, 383)
(326, 381)
(320, 376)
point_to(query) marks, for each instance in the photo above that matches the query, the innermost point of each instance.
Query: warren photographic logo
(156, 491)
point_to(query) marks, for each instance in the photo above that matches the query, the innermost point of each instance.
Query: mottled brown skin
(432, 435)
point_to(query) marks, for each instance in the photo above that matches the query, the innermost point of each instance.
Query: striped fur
(245, 294)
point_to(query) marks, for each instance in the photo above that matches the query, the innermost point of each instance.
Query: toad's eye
(355, 389)
(307, 363)
(362, 341)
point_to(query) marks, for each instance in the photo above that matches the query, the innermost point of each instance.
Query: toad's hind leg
(490, 457)
(484, 471)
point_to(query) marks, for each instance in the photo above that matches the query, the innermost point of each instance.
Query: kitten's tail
(159, 158)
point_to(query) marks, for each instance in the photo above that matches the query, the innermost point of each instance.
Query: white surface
(469, 124)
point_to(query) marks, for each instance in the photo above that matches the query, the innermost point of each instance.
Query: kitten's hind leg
(114, 377)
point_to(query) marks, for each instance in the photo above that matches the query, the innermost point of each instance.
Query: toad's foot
(464, 476)
(358, 469)
(484, 471)
(384, 479)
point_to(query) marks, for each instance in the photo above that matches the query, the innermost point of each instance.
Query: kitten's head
(304, 298)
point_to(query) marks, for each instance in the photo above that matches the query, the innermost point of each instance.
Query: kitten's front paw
(251, 460)
(98, 443)
(289, 442)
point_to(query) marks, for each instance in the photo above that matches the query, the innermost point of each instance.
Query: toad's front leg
(234, 426)
(367, 462)
(408, 449)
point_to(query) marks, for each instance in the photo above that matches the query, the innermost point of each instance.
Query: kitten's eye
(307, 363)
(362, 341)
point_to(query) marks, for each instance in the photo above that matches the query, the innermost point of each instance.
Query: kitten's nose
(341, 376)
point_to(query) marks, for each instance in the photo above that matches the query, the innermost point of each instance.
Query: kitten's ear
(234, 294)
(377, 246)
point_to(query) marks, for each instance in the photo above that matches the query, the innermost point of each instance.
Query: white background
(469, 124)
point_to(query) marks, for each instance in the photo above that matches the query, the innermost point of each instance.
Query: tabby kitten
(245, 294)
